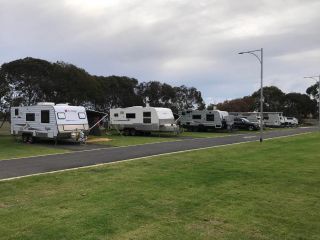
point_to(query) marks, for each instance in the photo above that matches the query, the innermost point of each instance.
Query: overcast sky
(188, 42)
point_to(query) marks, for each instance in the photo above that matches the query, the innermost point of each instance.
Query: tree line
(291, 104)
(29, 80)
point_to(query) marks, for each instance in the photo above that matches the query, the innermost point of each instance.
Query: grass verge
(246, 191)
(10, 148)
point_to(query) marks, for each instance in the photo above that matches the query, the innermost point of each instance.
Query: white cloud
(175, 41)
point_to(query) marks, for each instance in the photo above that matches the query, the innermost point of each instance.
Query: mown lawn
(246, 191)
(10, 148)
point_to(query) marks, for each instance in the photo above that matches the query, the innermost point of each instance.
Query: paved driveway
(42, 164)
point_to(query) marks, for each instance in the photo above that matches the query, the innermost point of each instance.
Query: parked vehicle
(138, 119)
(253, 117)
(49, 121)
(273, 119)
(291, 121)
(243, 123)
(270, 119)
(202, 120)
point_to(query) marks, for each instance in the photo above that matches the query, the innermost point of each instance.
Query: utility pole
(260, 59)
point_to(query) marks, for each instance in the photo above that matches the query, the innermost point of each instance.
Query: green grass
(246, 191)
(5, 129)
(10, 148)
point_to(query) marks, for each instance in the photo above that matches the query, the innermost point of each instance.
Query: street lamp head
(241, 53)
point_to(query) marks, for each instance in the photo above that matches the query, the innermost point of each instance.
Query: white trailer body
(50, 121)
(143, 119)
(273, 119)
(205, 119)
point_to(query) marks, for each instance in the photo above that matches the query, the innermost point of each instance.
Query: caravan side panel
(39, 121)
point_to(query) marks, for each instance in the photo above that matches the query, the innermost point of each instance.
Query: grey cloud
(179, 42)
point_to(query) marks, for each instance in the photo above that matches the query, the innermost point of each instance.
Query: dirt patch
(95, 140)
(2, 205)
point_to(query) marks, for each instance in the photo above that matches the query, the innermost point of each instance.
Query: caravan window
(210, 117)
(45, 116)
(82, 115)
(146, 114)
(30, 117)
(61, 115)
(116, 115)
(130, 115)
(146, 120)
(146, 117)
(196, 116)
(16, 112)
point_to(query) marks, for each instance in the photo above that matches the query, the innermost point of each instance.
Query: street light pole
(260, 59)
(317, 80)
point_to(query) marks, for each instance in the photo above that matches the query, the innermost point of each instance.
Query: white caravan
(273, 119)
(198, 120)
(138, 119)
(49, 121)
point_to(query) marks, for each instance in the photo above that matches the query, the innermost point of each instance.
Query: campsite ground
(12, 148)
(246, 191)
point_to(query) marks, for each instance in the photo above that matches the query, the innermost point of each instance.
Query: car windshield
(245, 120)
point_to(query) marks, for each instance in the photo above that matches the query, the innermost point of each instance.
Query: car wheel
(250, 128)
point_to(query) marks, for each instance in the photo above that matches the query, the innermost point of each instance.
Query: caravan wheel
(25, 138)
(126, 132)
(31, 140)
(133, 132)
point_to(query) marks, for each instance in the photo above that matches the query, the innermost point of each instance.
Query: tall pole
(261, 97)
(260, 59)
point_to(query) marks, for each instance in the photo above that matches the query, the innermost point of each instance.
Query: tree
(245, 104)
(29, 80)
(158, 94)
(298, 105)
(188, 98)
(24, 79)
(115, 91)
(273, 99)
(313, 91)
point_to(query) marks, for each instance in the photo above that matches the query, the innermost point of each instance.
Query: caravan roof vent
(45, 103)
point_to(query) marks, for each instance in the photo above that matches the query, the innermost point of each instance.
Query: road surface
(42, 164)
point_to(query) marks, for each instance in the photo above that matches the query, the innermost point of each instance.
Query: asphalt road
(42, 164)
